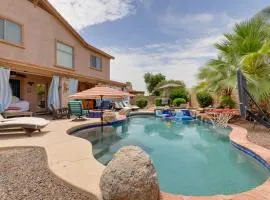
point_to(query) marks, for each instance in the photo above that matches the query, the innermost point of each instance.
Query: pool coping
(71, 159)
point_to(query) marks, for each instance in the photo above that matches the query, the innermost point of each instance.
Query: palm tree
(220, 76)
(248, 47)
(264, 13)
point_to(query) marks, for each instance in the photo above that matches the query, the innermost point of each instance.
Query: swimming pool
(191, 158)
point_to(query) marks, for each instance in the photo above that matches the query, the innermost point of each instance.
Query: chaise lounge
(28, 124)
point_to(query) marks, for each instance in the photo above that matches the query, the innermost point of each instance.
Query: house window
(64, 55)
(10, 32)
(96, 62)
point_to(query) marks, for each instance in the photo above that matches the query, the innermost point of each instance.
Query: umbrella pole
(101, 117)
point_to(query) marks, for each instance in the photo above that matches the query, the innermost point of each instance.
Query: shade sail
(101, 92)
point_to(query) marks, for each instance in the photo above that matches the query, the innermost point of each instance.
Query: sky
(172, 37)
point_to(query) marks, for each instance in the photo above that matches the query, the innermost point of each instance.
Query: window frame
(21, 44)
(73, 55)
(94, 67)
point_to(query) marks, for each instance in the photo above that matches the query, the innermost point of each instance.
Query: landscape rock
(130, 176)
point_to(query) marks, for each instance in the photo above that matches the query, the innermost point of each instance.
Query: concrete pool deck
(71, 159)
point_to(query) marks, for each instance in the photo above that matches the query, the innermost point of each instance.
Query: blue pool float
(160, 113)
(183, 114)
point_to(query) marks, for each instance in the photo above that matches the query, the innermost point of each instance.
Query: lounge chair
(28, 124)
(122, 105)
(75, 108)
(60, 113)
(118, 106)
(126, 104)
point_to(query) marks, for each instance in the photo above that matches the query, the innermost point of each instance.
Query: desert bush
(141, 103)
(227, 102)
(179, 101)
(158, 102)
(179, 93)
(204, 99)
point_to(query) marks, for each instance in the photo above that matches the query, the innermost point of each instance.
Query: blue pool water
(191, 158)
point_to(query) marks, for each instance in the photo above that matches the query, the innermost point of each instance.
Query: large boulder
(130, 176)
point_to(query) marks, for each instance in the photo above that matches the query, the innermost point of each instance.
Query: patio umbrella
(100, 92)
(167, 87)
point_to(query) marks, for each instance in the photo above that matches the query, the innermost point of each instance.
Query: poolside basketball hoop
(221, 117)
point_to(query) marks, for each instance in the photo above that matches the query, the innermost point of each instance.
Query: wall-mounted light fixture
(30, 83)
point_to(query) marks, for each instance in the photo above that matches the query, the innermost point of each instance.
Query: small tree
(204, 99)
(152, 80)
(179, 101)
(179, 93)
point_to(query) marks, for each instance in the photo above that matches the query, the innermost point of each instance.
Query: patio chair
(60, 113)
(75, 108)
(28, 124)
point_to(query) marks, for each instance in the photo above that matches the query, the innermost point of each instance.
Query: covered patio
(30, 86)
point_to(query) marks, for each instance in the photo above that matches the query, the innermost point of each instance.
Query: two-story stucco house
(37, 43)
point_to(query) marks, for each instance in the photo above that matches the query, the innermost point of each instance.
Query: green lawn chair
(75, 108)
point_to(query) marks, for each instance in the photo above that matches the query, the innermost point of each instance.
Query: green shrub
(204, 99)
(179, 101)
(158, 102)
(141, 103)
(227, 102)
(179, 93)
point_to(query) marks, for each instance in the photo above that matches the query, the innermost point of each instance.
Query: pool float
(162, 114)
(184, 115)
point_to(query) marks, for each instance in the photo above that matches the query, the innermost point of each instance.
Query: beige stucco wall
(40, 32)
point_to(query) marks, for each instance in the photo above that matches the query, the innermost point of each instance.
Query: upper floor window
(10, 32)
(96, 62)
(64, 55)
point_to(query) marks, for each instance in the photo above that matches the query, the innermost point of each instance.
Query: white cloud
(201, 18)
(178, 60)
(173, 23)
(82, 13)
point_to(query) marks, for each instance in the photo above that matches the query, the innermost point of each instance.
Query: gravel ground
(24, 174)
(258, 135)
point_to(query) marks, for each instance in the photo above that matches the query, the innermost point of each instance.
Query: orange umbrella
(100, 92)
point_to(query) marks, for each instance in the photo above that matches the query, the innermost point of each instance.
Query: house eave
(50, 71)
(46, 5)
